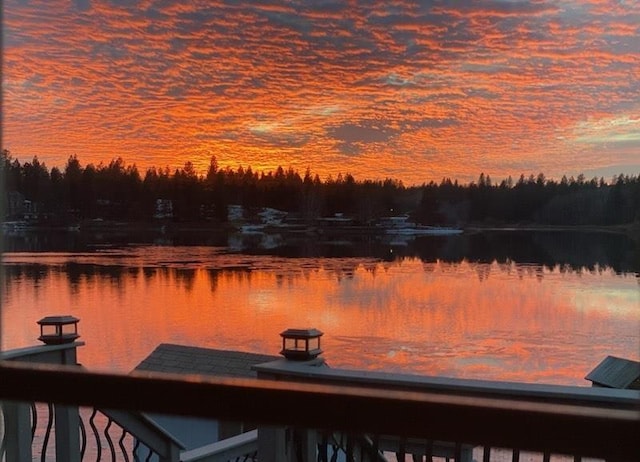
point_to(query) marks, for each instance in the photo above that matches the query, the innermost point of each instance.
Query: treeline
(118, 191)
(534, 200)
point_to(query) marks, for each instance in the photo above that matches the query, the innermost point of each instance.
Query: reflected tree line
(519, 251)
(119, 191)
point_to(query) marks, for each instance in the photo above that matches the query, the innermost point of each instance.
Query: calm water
(535, 307)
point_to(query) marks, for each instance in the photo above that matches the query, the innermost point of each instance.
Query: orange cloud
(415, 92)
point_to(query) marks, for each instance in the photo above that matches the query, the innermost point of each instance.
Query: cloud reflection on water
(505, 321)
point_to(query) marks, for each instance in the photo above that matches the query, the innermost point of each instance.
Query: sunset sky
(410, 90)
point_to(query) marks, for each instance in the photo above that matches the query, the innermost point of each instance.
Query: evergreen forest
(117, 191)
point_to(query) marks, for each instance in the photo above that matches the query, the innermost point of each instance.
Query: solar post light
(57, 330)
(301, 344)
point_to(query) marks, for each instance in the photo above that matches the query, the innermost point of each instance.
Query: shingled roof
(179, 359)
(615, 372)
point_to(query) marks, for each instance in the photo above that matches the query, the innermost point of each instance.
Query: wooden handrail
(568, 427)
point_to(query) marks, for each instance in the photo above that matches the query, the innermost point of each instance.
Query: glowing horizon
(410, 91)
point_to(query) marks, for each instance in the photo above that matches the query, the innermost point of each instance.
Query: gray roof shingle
(179, 359)
(615, 373)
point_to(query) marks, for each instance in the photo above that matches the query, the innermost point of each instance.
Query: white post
(67, 433)
(309, 443)
(272, 446)
(17, 427)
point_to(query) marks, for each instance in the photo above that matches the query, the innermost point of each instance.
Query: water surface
(429, 306)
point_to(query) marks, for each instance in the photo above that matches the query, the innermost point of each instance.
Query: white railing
(601, 428)
(310, 413)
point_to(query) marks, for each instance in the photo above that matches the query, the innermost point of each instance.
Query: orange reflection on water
(506, 322)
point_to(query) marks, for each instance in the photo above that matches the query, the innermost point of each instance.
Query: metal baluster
(401, 450)
(338, 446)
(349, 449)
(136, 446)
(47, 433)
(486, 454)
(122, 447)
(109, 441)
(96, 434)
(148, 459)
(516, 455)
(375, 447)
(323, 446)
(83, 438)
(546, 457)
(34, 420)
(429, 451)
(334, 456)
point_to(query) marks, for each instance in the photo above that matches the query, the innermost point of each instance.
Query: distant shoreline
(629, 229)
(632, 230)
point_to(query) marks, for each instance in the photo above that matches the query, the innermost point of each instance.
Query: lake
(520, 306)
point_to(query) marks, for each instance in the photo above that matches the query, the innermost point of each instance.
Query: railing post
(304, 445)
(17, 427)
(59, 347)
(67, 433)
(272, 446)
(173, 455)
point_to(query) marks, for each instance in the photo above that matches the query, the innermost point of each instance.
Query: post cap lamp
(57, 330)
(301, 344)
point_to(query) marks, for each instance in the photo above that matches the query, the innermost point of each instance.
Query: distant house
(14, 205)
(615, 372)
(269, 216)
(164, 209)
(178, 359)
(235, 212)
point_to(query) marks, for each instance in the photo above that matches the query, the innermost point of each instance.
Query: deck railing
(605, 428)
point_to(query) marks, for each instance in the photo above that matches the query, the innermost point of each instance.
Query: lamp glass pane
(50, 330)
(69, 328)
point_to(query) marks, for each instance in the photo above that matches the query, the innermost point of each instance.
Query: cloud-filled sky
(410, 90)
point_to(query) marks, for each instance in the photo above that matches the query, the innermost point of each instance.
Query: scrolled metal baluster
(34, 420)
(96, 434)
(323, 448)
(47, 433)
(109, 442)
(349, 448)
(148, 459)
(83, 437)
(373, 447)
(136, 446)
(337, 446)
(121, 444)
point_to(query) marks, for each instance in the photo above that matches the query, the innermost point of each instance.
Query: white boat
(418, 230)
(252, 229)
(10, 227)
(400, 225)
